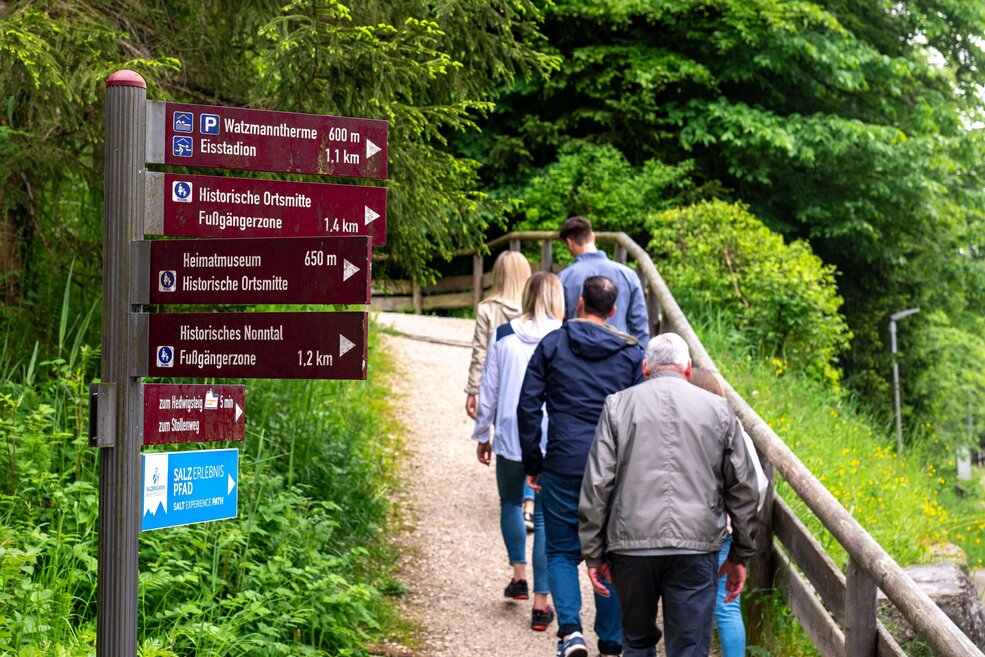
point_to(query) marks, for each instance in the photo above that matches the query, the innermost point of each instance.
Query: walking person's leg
(689, 583)
(529, 502)
(509, 481)
(637, 584)
(542, 616)
(563, 550)
(728, 617)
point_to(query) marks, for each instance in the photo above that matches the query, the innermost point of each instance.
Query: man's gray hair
(667, 349)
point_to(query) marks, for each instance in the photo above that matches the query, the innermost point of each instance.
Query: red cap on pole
(125, 78)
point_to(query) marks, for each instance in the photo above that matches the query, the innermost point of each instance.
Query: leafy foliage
(781, 297)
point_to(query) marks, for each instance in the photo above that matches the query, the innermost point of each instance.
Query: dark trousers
(686, 582)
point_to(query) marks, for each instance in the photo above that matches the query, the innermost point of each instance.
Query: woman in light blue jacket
(502, 377)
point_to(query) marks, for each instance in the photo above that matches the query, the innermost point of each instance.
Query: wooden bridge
(836, 609)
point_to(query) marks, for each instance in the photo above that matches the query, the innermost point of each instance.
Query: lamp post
(892, 345)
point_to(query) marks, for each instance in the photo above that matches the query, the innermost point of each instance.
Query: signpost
(184, 488)
(218, 206)
(326, 260)
(311, 345)
(260, 140)
(294, 270)
(193, 413)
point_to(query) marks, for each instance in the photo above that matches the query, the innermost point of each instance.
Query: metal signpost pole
(119, 457)
(895, 317)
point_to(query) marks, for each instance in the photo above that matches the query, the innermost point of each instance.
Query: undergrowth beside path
(301, 571)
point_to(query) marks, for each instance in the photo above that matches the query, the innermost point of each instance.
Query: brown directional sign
(217, 206)
(260, 140)
(193, 413)
(290, 270)
(308, 345)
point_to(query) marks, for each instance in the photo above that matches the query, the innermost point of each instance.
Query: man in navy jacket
(572, 370)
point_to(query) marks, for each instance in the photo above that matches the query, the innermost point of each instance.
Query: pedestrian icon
(166, 280)
(181, 146)
(183, 121)
(209, 124)
(165, 356)
(181, 191)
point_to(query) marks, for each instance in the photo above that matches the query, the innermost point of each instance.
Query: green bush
(781, 297)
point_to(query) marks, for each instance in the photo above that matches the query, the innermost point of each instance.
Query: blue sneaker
(573, 646)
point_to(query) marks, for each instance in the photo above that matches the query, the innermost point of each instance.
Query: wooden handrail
(869, 564)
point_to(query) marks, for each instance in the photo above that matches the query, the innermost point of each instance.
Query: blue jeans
(728, 617)
(510, 480)
(559, 497)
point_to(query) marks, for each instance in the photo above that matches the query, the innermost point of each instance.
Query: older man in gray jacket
(667, 464)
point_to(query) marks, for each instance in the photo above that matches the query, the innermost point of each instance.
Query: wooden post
(547, 255)
(476, 281)
(620, 254)
(418, 298)
(761, 567)
(514, 245)
(860, 612)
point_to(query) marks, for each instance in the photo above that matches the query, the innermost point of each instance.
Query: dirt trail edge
(453, 562)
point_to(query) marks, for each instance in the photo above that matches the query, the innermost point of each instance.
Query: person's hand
(735, 579)
(472, 405)
(484, 452)
(598, 575)
(532, 482)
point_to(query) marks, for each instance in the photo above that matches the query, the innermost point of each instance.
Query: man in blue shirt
(631, 315)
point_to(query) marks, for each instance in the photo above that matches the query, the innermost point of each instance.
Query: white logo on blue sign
(181, 191)
(182, 146)
(183, 121)
(209, 124)
(166, 280)
(165, 356)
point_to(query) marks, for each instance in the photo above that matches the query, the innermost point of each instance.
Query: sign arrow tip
(371, 215)
(345, 345)
(371, 149)
(231, 484)
(239, 412)
(348, 269)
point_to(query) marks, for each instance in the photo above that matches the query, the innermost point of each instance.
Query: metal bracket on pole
(102, 415)
(140, 272)
(139, 339)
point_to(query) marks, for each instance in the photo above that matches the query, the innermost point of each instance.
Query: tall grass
(906, 503)
(290, 576)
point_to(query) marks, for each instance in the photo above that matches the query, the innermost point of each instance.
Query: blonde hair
(706, 379)
(510, 273)
(543, 298)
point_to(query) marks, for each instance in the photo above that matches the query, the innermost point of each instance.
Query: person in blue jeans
(572, 370)
(505, 365)
(728, 615)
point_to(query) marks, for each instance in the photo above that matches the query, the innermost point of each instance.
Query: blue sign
(181, 191)
(183, 121)
(165, 356)
(182, 146)
(184, 488)
(166, 280)
(209, 124)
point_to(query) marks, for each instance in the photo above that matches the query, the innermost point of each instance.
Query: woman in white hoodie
(502, 377)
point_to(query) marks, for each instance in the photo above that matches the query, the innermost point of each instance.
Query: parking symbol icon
(209, 124)
(165, 356)
(181, 191)
(182, 146)
(166, 280)
(183, 121)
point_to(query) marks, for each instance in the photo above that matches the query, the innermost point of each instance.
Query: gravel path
(455, 564)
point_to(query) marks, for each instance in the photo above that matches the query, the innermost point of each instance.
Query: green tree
(855, 126)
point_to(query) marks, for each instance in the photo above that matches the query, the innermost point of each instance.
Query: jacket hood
(593, 341)
(530, 332)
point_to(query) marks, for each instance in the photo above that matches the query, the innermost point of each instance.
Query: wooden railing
(837, 610)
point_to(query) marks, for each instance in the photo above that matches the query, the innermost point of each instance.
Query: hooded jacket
(573, 369)
(506, 364)
(667, 465)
